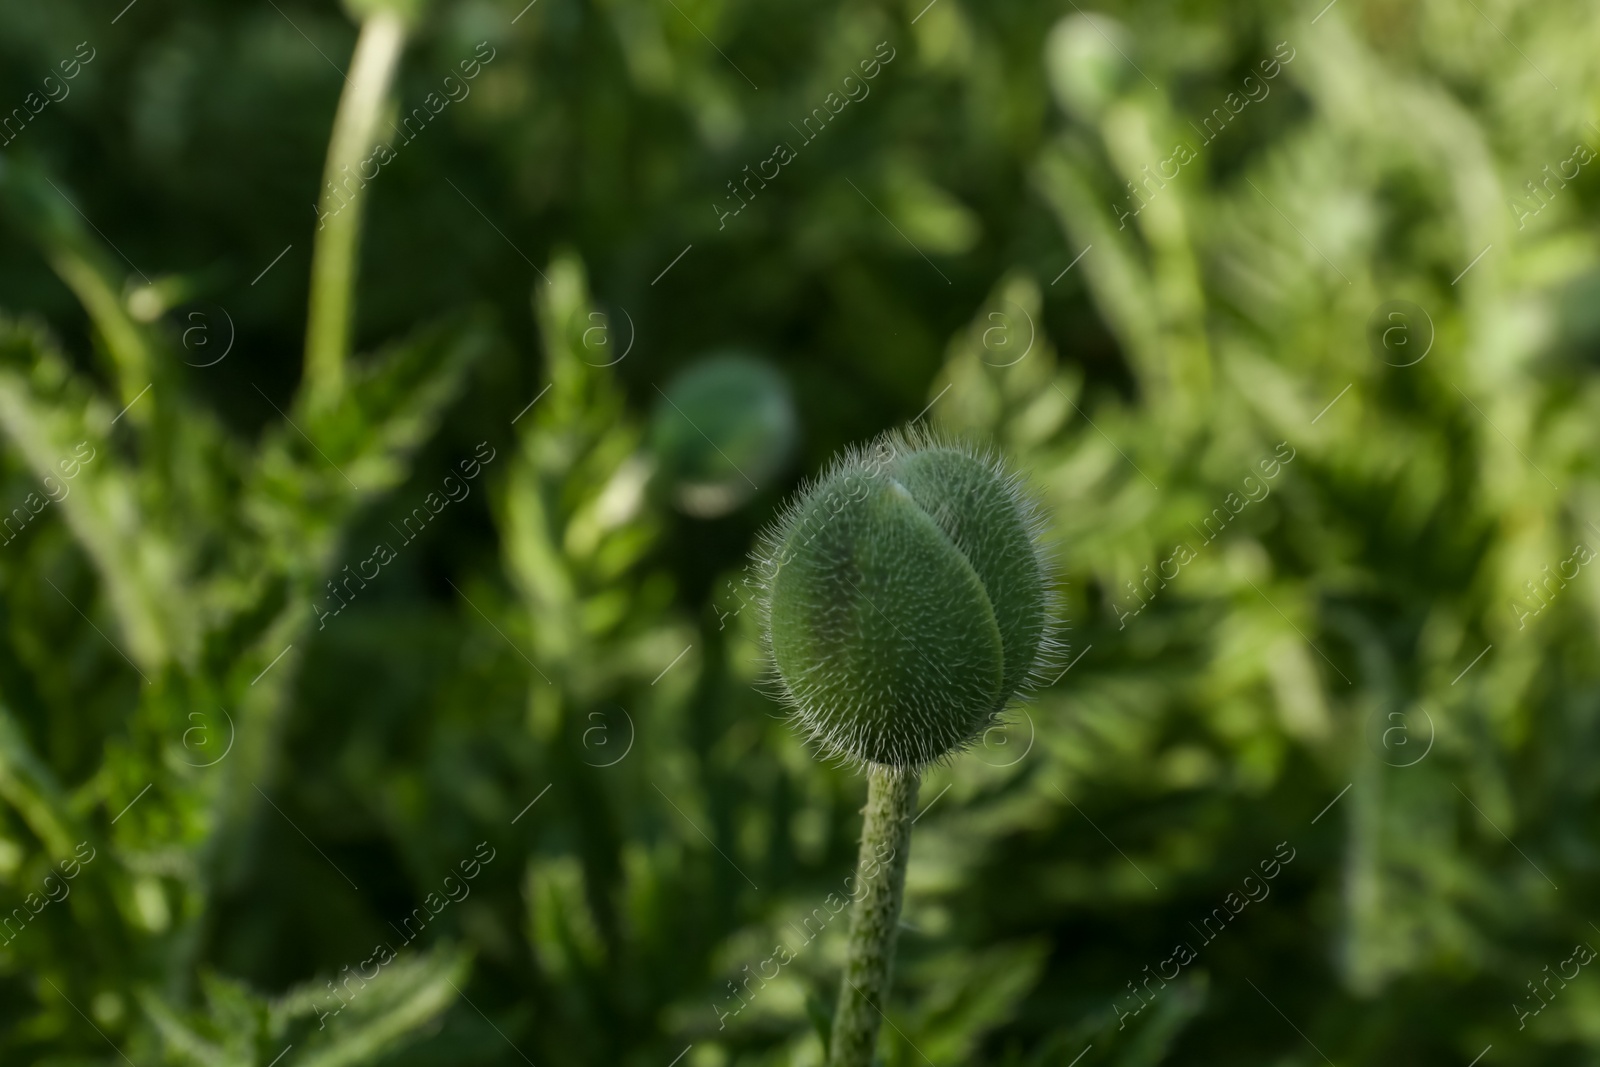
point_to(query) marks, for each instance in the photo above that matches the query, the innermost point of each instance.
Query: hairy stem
(333, 261)
(881, 870)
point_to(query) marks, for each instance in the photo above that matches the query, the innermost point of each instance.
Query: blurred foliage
(1328, 599)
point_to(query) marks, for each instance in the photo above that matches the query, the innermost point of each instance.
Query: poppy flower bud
(907, 600)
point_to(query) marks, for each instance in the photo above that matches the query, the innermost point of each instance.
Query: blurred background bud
(721, 428)
(1085, 67)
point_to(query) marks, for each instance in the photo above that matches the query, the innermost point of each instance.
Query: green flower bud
(907, 600)
(722, 427)
(1086, 63)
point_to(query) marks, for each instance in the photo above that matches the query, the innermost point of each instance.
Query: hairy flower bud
(907, 600)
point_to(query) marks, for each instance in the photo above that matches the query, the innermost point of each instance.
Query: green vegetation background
(1365, 631)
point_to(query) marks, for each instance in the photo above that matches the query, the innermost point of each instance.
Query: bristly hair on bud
(906, 600)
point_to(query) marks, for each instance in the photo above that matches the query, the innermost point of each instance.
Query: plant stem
(881, 869)
(333, 261)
